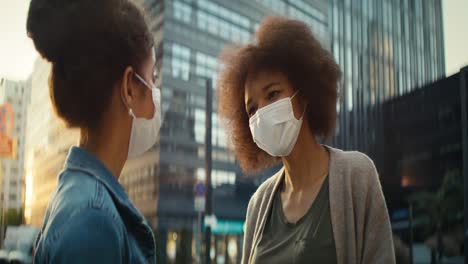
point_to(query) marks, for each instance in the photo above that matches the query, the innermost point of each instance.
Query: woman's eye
(252, 111)
(155, 76)
(272, 95)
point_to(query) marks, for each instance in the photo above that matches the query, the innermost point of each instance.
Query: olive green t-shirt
(310, 240)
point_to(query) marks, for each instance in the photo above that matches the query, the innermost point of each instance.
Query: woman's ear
(302, 102)
(127, 88)
(299, 104)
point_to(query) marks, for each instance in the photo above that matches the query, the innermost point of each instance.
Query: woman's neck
(307, 164)
(107, 147)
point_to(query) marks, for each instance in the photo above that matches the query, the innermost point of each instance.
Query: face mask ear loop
(303, 112)
(143, 81)
(294, 94)
(305, 107)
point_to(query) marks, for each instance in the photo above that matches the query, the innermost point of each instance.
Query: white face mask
(145, 132)
(275, 129)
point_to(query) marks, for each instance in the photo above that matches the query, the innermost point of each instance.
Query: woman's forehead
(255, 82)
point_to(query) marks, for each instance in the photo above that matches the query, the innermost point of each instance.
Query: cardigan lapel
(258, 234)
(336, 205)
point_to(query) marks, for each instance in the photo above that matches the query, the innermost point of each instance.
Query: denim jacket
(90, 218)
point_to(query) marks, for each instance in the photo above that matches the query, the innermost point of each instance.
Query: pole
(411, 230)
(3, 222)
(464, 125)
(208, 147)
(199, 238)
(2, 232)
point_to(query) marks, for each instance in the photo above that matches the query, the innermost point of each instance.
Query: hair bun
(52, 24)
(46, 25)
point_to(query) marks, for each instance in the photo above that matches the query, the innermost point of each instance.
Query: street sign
(7, 123)
(211, 221)
(200, 189)
(223, 226)
(8, 147)
(199, 203)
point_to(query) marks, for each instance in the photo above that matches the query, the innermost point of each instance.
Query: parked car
(18, 245)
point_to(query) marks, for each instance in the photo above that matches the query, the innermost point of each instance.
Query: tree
(444, 207)
(184, 247)
(13, 217)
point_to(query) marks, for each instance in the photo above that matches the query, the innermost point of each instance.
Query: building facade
(47, 144)
(423, 137)
(385, 49)
(190, 34)
(16, 94)
(425, 140)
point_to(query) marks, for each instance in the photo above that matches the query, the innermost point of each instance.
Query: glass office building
(385, 49)
(190, 34)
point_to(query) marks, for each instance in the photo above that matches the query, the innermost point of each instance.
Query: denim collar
(82, 160)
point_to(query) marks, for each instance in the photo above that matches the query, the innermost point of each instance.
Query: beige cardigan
(361, 226)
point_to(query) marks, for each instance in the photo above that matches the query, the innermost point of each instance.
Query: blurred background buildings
(395, 105)
(14, 97)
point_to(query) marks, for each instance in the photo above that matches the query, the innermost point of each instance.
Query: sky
(17, 53)
(455, 16)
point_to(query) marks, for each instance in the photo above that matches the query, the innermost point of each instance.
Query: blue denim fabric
(90, 218)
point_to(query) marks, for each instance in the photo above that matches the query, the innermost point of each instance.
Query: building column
(464, 125)
(162, 246)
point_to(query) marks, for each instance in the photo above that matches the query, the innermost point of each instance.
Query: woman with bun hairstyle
(277, 97)
(102, 83)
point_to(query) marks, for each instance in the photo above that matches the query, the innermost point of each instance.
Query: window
(349, 95)
(202, 20)
(182, 11)
(223, 177)
(180, 62)
(206, 66)
(199, 125)
(386, 8)
(221, 28)
(277, 6)
(223, 22)
(218, 177)
(213, 25)
(14, 170)
(335, 21)
(225, 13)
(308, 10)
(218, 134)
(348, 26)
(365, 4)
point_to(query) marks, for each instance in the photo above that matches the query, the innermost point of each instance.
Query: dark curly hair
(286, 46)
(89, 43)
